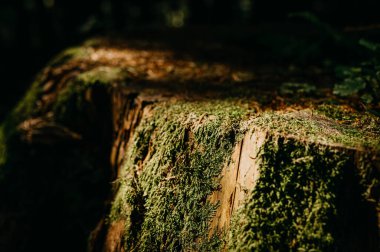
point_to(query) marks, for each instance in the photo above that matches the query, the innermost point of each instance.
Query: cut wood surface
(131, 146)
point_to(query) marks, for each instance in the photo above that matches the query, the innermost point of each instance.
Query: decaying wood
(155, 77)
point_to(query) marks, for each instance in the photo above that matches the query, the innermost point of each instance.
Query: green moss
(363, 121)
(178, 153)
(28, 104)
(24, 109)
(296, 203)
(171, 169)
(103, 74)
(175, 163)
(69, 98)
(369, 178)
(37, 187)
(307, 125)
(336, 112)
(72, 95)
(71, 53)
(293, 206)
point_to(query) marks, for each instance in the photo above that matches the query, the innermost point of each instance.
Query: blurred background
(32, 31)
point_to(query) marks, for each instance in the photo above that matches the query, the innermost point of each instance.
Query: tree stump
(130, 146)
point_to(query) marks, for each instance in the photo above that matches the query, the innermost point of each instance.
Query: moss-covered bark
(301, 202)
(54, 170)
(298, 203)
(317, 185)
(171, 169)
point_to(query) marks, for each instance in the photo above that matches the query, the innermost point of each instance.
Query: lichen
(293, 206)
(171, 169)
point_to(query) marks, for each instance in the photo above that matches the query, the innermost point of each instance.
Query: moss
(39, 189)
(103, 74)
(27, 107)
(369, 178)
(306, 125)
(364, 121)
(28, 104)
(69, 98)
(24, 109)
(171, 169)
(71, 53)
(72, 95)
(296, 203)
(179, 151)
(293, 206)
(175, 163)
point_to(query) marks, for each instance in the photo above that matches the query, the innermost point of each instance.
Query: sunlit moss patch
(309, 125)
(171, 169)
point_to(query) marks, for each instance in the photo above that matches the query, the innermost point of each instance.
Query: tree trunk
(134, 147)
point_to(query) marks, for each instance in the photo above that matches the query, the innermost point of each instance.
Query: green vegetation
(27, 107)
(103, 75)
(171, 169)
(356, 81)
(294, 203)
(290, 88)
(179, 150)
(175, 163)
(73, 53)
(63, 179)
(8, 129)
(361, 82)
(71, 97)
(318, 126)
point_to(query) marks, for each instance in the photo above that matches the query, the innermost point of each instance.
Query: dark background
(32, 31)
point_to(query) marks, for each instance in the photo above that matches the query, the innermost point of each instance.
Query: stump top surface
(297, 102)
